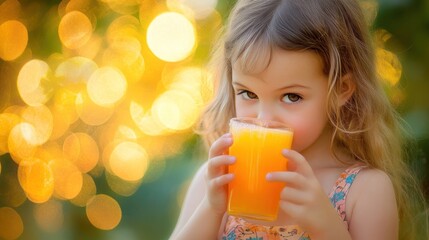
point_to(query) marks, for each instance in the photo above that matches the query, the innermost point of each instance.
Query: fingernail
(269, 176)
(227, 135)
(231, 159)
(285, 151)
(230, 176)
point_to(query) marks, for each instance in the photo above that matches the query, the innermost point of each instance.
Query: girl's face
(292, 90)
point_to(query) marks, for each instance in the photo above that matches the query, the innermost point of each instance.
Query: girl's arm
(196, 219)
(374, 212)
(205, 201)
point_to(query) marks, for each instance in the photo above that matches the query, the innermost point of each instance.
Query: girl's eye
(291, 98)
(247, 94)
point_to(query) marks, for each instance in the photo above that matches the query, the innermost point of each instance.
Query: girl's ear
(347, 88)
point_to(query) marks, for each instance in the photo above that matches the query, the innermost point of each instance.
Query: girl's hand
(303, 199)
(217, 177)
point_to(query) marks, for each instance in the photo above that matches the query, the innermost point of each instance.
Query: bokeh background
(98, 99)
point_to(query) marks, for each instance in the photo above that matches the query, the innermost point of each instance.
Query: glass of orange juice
(257, 146)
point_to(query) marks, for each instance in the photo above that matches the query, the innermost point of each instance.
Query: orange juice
(257, 149)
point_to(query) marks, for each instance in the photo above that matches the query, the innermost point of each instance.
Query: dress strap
(341, 188)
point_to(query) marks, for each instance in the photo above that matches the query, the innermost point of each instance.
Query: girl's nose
(267, 113)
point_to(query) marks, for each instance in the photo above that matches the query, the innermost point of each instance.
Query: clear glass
(257, 146)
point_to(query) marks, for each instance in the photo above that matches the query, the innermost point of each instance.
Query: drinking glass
(257, 146)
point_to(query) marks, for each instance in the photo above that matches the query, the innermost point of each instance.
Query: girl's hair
(367, 125)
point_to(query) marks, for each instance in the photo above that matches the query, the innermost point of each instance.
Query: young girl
(310, 65)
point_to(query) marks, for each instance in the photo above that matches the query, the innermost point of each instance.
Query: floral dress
(239, 229)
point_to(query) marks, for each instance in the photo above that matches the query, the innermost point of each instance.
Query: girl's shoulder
(363, 178)
(370, 179)
(372, 201)
(372, 183)
(368, 182)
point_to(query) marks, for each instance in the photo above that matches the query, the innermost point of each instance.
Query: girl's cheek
(304, 135)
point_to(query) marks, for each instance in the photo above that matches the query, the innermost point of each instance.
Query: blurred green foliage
(408, 23)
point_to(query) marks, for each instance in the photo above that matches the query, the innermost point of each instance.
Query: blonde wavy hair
(367, 125)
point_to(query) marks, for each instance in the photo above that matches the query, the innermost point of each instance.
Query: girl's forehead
(281, 65)
(257, 60)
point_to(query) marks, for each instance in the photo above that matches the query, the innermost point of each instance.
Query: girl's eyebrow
(238, 84)
(282, 88)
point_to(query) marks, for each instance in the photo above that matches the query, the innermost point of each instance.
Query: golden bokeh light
(13, 39)
(76, 69)
(74, 30)
(60, 124)
(121, 186)
(34, 84)
(41, 119)
(126, 26)
(80, 5)
(125, 54)
(15, 109)
(82, 150)
(381, 37)
(106, 86)
(49, 215)
(195, 81)
(36, 179)
(176, 109)
(123, 6)
(65, 105)
(388, 66)
(91, 48)
(171, 37)
(68, 179)
(84, 6)
(48, 152)
(10, 9)
(198, 9)
(145, 122)
(115, 133)
(91, 113)
(89, 189)
(129, 161)
(19, 146)
(105, 155)
(150, 9)
(11, 224)
(103, 212)
(124, 36)
(7, 122)
(29, 133)
(125, 132)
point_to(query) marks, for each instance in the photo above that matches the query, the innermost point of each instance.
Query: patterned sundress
(239, 229)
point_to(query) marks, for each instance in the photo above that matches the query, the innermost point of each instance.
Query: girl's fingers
(297, 162)
(291, 209)
(216, 165)
(292, 179)
(220, 181)
(221, 145)
(293, 195)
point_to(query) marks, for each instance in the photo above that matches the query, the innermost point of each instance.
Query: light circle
(171, 37)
